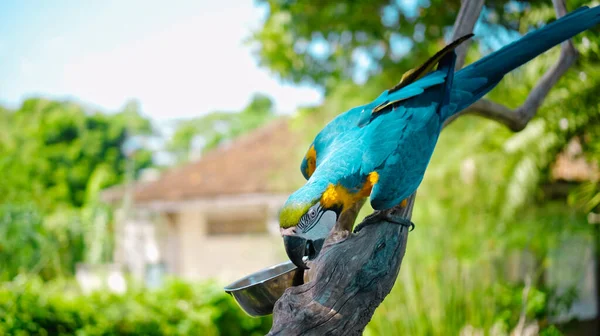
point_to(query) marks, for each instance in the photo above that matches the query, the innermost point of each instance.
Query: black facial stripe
(314, 222)
(305, 221)
(302, 223)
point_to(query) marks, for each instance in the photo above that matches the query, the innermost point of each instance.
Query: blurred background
(146, 148)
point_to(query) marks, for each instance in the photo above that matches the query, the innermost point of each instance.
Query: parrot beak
(297, 248)
(300, 241)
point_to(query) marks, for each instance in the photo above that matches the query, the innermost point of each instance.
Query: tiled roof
(266, 160)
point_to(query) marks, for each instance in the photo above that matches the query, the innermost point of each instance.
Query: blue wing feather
(361, 115)
(412, 90)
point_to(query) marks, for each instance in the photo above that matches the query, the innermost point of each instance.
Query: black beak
(314, 247)
(295, 247)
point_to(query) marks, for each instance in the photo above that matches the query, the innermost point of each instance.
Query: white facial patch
(322, 228)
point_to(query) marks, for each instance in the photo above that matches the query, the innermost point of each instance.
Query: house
(215, 217)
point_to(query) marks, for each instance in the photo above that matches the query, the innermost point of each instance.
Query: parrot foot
(385, 217)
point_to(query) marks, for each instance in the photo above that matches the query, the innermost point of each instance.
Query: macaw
(382, 149)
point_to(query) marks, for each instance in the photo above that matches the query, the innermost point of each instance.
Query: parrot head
(306, 221)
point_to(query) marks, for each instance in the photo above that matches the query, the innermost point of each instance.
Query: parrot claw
(386, 217)
(401, 221)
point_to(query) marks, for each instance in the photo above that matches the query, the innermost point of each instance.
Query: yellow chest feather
(337, 194)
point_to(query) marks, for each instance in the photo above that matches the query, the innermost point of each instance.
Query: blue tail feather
(447, 65)
(479, 78)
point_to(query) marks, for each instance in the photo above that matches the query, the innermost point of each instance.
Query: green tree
(325, 42)
(50, 149)
(55, 158)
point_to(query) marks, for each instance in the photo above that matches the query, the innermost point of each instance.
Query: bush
(33, 243)
(32, 307)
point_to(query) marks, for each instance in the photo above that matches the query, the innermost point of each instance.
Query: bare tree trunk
(355, 272)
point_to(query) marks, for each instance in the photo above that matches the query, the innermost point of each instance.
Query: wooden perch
(355, 272)
(350, 280)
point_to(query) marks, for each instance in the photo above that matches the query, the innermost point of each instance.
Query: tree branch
(355, 272)
(517, 119)
(465, 23)
(349, 281)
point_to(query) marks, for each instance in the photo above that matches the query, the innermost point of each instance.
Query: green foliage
(551, 331)
(217, 127)
(447, 305)
(31, 307)
(326, 42)
(51, 149)
(51, 245)
(461, 266)
(56, 157)
(573, 108)
(30, 243)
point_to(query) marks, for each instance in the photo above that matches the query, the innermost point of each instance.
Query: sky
(178, 61)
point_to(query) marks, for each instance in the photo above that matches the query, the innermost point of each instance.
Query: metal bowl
(258, 292)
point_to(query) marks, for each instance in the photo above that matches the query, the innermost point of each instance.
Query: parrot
(381, 150)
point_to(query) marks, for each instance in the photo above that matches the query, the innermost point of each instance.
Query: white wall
(179, 238)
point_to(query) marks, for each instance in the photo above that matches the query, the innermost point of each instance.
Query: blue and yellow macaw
(382, 149)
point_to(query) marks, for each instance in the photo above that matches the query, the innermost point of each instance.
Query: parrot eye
(312, 213)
